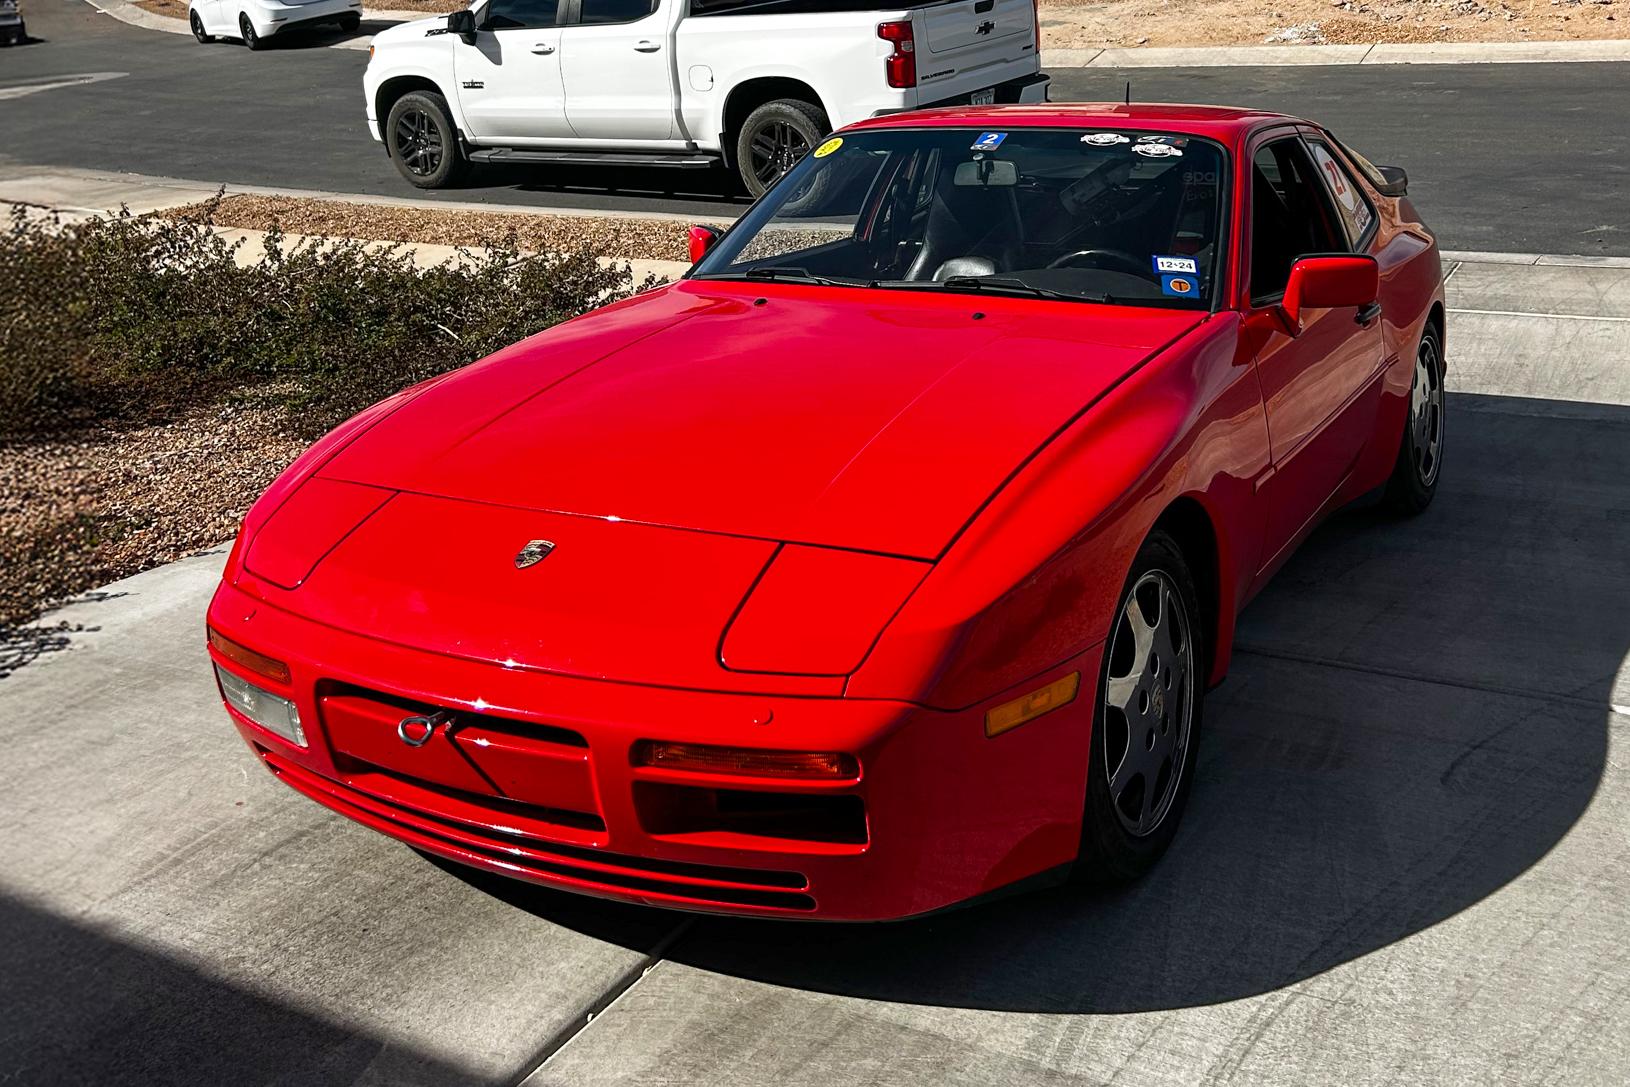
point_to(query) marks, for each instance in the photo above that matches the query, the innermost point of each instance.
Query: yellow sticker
(828, 147)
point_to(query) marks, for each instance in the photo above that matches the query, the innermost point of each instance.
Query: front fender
(1034, 578)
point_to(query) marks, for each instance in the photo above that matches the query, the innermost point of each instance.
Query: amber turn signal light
(258, 663)
(1010, 715)
(746, 761)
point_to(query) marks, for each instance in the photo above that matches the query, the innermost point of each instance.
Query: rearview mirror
(700, 240)
(991, 172)
(462, 23)
(1397, 180)
(1329, 281)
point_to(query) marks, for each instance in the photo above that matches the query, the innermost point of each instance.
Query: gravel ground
(75, 514)
(626, 239)
(1132, 23)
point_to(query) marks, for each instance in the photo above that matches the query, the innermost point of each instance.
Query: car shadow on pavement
(81, 1005)
(1417, 714)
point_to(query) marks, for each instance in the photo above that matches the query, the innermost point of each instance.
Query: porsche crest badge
(533, 553)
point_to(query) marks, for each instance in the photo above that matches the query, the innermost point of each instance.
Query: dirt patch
(99, 507)
(175, 9)
(1067, 24)
(429, 7)
(627, 239)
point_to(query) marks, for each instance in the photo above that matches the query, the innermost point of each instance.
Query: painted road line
(18, 90)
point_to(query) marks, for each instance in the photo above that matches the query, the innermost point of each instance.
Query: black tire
(1113, 849)
(197, 25)
(246, 31)
(350, 23)
(774, 137)
(1419, 466)
(423, 142)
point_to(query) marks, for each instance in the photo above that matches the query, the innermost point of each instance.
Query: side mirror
(1397, 181)
(1329, 281)
(700, 240)
(462, 23)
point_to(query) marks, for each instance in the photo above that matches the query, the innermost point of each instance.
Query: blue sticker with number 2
(989, 141)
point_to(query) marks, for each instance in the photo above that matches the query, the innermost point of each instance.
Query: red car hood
(868, 419)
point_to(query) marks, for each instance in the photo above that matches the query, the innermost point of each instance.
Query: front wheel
(246, 30)
(1146, 719)
(773, 138)
(422, 141)
(1420, 455)
(197, 25)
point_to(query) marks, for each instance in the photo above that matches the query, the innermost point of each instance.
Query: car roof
(1224, 123)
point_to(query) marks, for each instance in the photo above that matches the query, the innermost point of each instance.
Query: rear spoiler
(1397, 181)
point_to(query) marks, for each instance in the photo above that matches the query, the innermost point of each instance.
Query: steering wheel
(1101, 257)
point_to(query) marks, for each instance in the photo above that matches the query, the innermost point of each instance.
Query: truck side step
(680, 160)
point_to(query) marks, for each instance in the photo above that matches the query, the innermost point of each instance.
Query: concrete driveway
(1406, 859)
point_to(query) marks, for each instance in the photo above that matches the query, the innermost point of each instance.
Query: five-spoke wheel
(1420, 455)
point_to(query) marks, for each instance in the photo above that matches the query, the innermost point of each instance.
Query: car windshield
(1103, 215)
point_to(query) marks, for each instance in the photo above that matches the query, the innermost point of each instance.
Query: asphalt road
(1524, 157)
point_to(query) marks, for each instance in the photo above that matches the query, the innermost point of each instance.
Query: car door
(509, 85)
(618, 71)
(1321, 388)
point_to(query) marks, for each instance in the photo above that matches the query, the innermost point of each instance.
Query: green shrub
(132, 318)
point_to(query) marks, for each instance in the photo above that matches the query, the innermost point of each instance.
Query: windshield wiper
(788, 274)
(991, 285)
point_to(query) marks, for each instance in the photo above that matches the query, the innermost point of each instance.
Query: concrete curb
(1286, 55)
(1547, 260)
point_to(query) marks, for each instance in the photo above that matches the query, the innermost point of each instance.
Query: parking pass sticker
(989, 141)
(1180, 286)
(1178, 265)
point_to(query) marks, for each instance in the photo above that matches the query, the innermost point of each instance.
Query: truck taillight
(901, 65)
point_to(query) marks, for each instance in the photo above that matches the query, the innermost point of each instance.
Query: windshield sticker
(1157, 150)
(828, 147)
(1169, 141)
(1179, 265)
(1105, 139)
(1180, 286)
(989, 141)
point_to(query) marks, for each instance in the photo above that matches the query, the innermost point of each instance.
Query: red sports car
(880, 563)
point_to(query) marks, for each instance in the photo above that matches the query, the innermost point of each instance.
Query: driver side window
(1290, 216)
(520, 14)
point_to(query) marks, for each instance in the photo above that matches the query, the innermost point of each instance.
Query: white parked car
(751, 84)
(253, 21)
(12, 30)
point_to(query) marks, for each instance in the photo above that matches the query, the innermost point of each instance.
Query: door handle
(1366, 315)
(543, 49)
(647, 46)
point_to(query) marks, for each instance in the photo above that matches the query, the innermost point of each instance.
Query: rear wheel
(197, 25)
(246, 30)
(422, 141)
(773, 138)
(1420, 454)
(1147, 717)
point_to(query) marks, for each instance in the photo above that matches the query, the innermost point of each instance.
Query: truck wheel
(350, 23)
(422, 141)
(773, 138)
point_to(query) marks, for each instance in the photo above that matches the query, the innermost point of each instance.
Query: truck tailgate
(975, 25)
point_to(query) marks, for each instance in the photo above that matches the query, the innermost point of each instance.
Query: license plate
(983, 98)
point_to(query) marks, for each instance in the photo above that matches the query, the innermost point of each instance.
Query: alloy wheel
(1426, 411)
(777, 147)
(418, 143)
(1149, 701)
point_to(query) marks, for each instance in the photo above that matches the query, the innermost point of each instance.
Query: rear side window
(518, 14)
(592, 12)
(1290, 216)
(1351, 205)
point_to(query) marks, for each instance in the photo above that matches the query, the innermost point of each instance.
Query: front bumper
(945, 814)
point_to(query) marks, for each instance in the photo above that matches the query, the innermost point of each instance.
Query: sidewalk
(80, 194)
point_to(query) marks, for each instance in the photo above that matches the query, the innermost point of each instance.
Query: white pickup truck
(749, 84)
